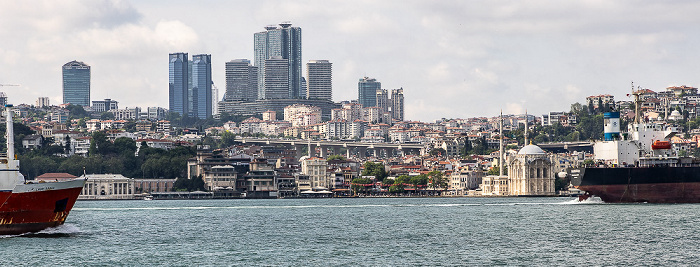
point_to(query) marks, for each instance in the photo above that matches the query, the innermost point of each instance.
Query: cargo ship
(639, 166)
(29, 206)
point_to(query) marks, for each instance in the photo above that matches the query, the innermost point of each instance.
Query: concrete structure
(76, 83)
(319, 75)
(358, 149)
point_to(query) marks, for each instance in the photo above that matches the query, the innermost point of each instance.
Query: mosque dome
(531, 150)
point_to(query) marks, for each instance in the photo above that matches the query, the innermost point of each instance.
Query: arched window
(532, 173)
(539, 172)
(544, 172)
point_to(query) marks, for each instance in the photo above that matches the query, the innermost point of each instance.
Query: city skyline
(454, 59)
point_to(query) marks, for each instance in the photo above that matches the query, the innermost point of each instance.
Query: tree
(360, 184)
(336, 157)
(374, 169)
(437, 179)
(438, 151)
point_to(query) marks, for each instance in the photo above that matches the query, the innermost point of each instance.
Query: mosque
(530, 173)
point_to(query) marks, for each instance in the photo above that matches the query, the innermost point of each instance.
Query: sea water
(364, 232)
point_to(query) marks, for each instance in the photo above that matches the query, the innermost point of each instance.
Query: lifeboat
(658, 144)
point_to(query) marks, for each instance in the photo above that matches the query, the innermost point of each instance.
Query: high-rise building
(241, 81)
(320, 79)
(397, 104)
(76, 83)
(283, 41)
(276, 81)
(382, 97)
(201, 86)
(178, 84)
(367, 91)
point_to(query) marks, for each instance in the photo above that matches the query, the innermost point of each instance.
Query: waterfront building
(367, 91)
(201, 86)
(42, 101)
(531, 173)
(397, 104)
(241, 81)
(276, 82)
(104, 105)
(76, 83)
(316, 169)
(284, 42)
(153, 185)
(107, 186)
(178, 84)
(320, 79)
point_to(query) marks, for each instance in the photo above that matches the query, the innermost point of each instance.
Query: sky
(454, 59)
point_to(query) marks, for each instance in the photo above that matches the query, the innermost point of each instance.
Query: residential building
(76, 83)
(178, 84)
(397, 104)
(302, 115)
(42, 101)
(283, 41)
(382, 100)
(316, 169)
(241, 81)
(319, 75)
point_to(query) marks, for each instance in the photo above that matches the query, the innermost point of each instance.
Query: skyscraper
(382, 101)
(367, 91)
(397, 104)
(320, 79)
(241, 81)
(76, 83)
(201, 86)
(276, 83)
(178, 84)
(283, 41)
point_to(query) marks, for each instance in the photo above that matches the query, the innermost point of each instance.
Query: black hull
(649, 184)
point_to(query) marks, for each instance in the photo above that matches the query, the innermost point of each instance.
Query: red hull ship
(29, 206)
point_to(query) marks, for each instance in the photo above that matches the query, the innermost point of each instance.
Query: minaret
(526, 119)
(500, 138)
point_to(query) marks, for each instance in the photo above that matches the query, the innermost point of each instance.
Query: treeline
(106, 157)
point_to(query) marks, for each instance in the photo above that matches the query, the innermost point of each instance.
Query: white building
(107, 186)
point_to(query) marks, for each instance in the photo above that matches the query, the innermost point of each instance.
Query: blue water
(367, 232)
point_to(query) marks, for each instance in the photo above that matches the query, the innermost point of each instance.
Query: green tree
(360, 184)
(437, 179)
(336, 157)
(374, 169)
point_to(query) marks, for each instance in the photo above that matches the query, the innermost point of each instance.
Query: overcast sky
(454, 59)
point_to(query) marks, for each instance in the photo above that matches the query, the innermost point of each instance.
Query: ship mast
(500, 160)
(637, 100)
(11, 164)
